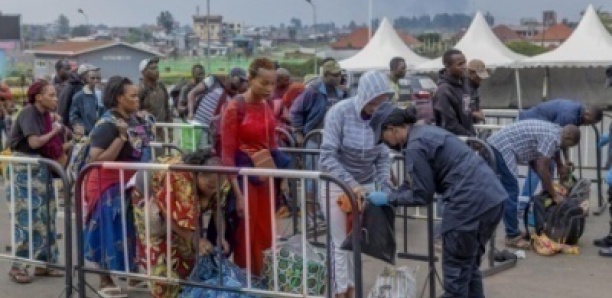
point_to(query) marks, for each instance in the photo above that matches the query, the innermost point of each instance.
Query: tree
(431, 37)
(166, 21)
(63, 25)
(526, 48)
(81, 30)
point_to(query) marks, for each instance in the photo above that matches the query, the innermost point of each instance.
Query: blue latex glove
(604, 140)
(609, 177)
(378, 198)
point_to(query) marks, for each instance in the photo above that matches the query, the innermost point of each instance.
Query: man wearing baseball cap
(309, 109)
(476, 72)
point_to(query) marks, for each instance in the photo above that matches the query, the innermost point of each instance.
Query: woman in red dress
(247, 127)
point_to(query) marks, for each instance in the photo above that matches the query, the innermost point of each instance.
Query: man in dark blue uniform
(439, 162)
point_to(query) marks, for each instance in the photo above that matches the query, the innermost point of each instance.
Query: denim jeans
(510, 184)
(311, 163)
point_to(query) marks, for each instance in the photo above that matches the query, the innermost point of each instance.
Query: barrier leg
(602, 205)
(496, 268)
(430, 251)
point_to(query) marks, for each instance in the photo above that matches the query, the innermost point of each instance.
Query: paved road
(586, 275)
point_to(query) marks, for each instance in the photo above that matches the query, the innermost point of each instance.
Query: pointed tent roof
(479, 42)
(384, 46)
(590, 45)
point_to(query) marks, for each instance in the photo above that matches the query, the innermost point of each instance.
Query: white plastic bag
(394, 283)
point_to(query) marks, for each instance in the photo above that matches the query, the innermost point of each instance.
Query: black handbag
(377, 233)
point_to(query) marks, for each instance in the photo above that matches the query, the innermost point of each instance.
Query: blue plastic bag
(609, 177)
(207, 271)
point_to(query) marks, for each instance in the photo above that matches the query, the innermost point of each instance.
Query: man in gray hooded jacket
(348, 153)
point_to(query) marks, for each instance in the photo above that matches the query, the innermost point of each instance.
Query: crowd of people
(243, 110)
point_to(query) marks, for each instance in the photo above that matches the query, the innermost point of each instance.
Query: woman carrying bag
(248, 138)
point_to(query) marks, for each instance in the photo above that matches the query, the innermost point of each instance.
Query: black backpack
(563, 223)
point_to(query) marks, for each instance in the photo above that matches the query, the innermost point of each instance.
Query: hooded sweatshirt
(348, 151)
(449, 108)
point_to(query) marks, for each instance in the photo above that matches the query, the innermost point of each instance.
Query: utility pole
(86, 20)
(314, 26)
(208, 36)
(369, 20)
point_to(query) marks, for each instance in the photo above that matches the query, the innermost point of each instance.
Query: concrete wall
(117, 60)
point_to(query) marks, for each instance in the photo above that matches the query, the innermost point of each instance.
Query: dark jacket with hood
(439, 162)
(75, 85)
(449, 108)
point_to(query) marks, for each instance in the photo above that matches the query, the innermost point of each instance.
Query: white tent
(576, 69)
(384, 46)
(590, 45)
(479, 42)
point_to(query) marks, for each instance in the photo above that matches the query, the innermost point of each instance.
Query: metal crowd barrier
(243, 174)
(57, 169)
(170, 131)
(285, 138)
(603, 204)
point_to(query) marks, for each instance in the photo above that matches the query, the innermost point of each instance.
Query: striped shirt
(525, 141)
(208, 105)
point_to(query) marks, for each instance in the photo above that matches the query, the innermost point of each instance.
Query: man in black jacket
(76, 82)
(451, 101)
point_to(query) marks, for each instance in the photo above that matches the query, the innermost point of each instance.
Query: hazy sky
(265, 12)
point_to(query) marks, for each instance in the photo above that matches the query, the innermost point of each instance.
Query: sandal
(20, 276)
(48, 272)
(111, 292)
(517, 242)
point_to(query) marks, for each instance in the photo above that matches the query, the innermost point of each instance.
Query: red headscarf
(53, 148)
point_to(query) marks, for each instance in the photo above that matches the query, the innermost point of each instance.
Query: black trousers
(463, 251)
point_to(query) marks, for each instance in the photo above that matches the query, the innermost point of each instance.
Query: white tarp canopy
(384, 46)
(479, 42)
(590, 45)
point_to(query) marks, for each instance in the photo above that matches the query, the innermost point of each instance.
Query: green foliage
(81, 30)
(526, 48)
(300, 69)
(432, 37)
(171, 78)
